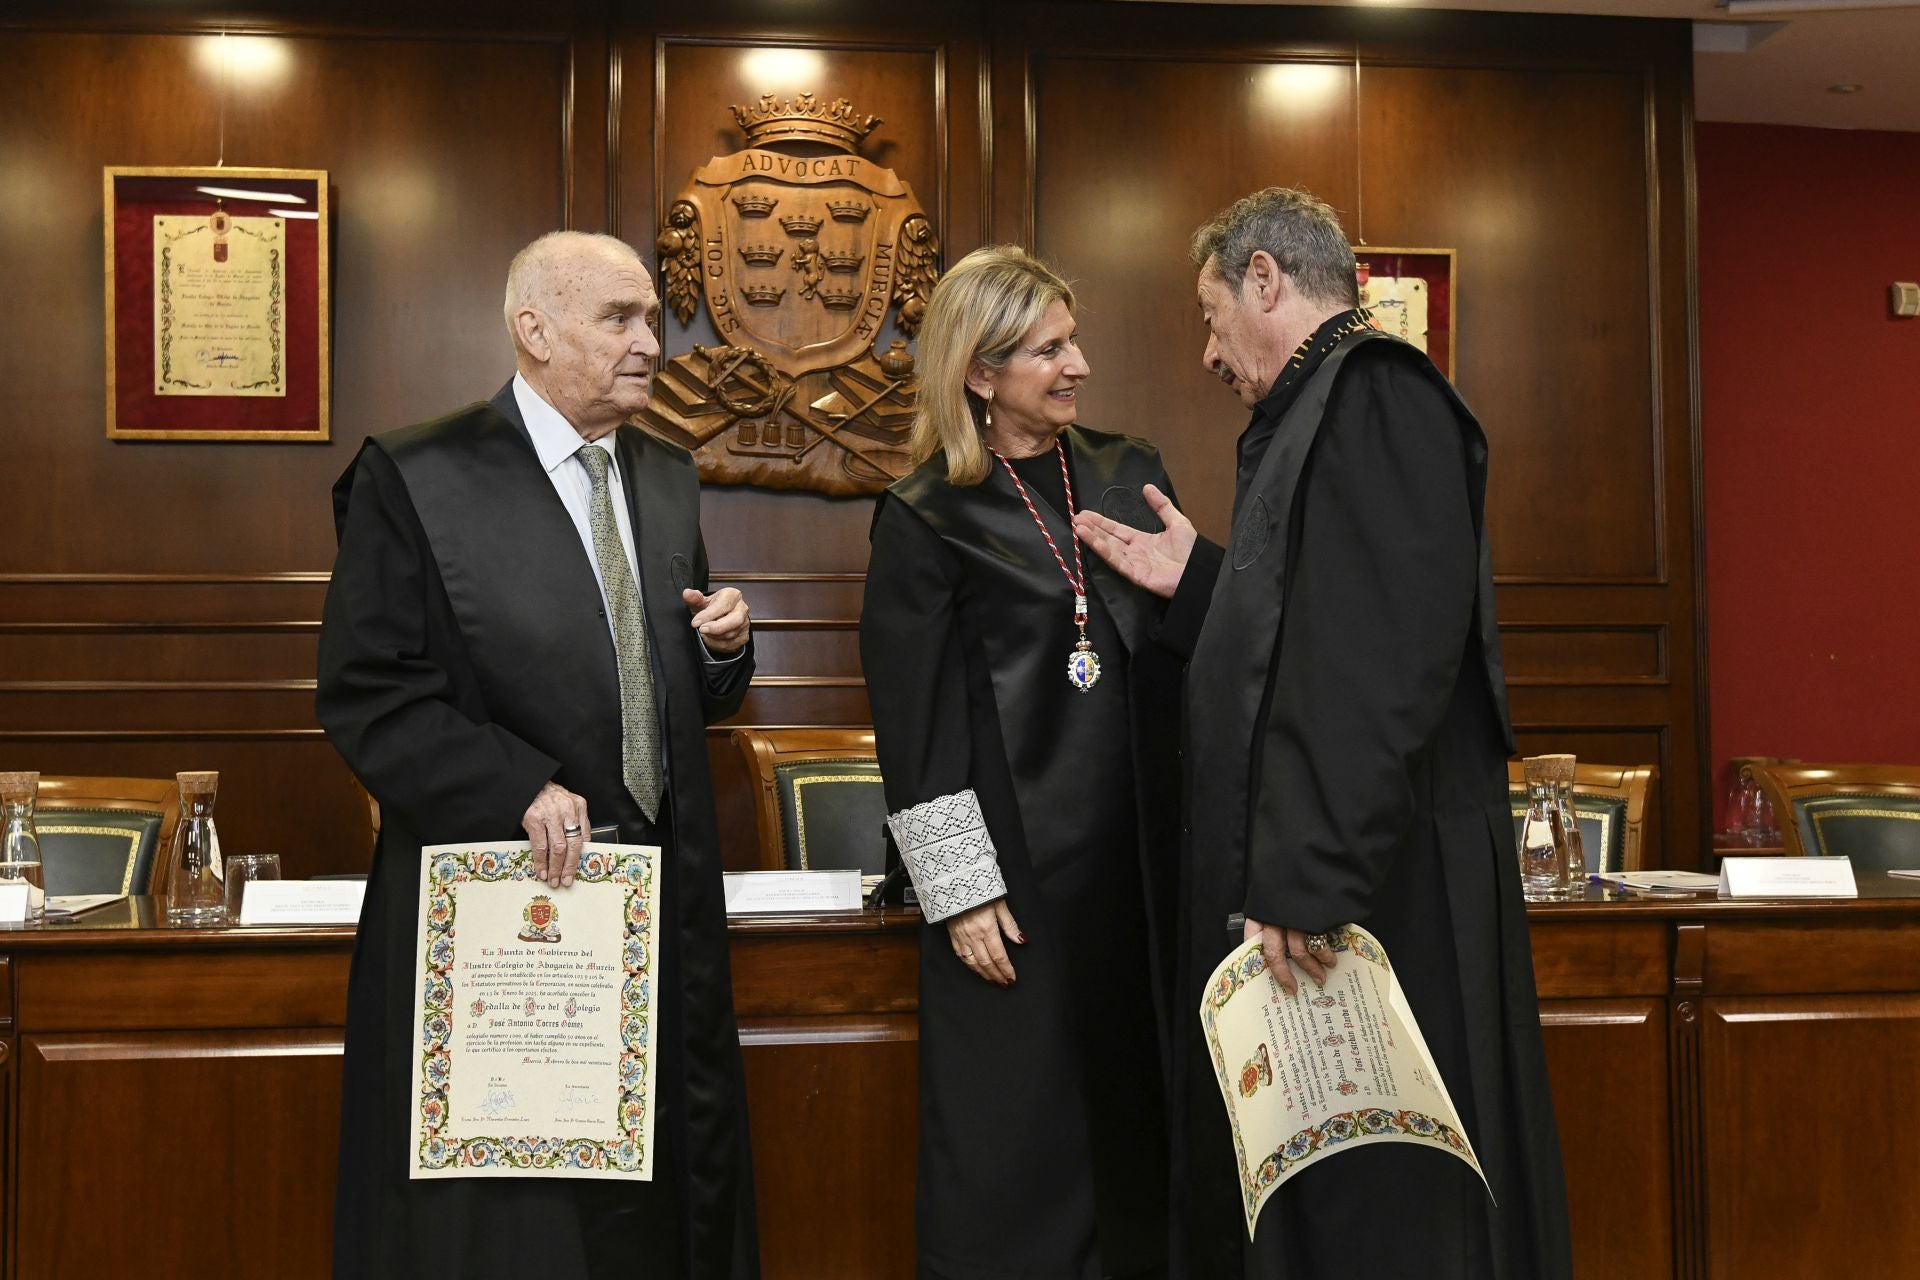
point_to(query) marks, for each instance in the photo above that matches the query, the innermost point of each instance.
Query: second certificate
(533, 1020)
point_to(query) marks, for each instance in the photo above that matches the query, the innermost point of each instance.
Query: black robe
(1347, 734)
(1042, 1144)
(464, 662)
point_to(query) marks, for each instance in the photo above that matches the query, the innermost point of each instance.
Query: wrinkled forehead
(599, 279)
(1210, 288)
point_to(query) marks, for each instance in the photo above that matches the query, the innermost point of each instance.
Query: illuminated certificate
(1325, 1070)
(533, 1049)
(219, 306)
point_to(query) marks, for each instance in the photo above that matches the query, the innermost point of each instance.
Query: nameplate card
(791, 892)
(13, 902)
(302, 901)
(1787, 878)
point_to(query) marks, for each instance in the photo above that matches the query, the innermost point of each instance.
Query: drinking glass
(243, 868)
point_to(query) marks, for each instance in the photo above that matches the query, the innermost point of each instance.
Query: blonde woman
(1019, 701)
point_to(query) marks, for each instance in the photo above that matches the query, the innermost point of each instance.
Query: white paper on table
(1777, 877)
(533, 1018)
(1309, 1075)
(1905, 874)
(14, 897)
(751, 892)
(72, 904)
(302, 901)
(1662, 881)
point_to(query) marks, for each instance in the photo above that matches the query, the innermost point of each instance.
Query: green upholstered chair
(1868, 812)
(1611, 803)
(819, 803)
(105, 835)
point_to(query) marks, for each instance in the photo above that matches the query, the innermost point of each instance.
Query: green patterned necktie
(639, 717)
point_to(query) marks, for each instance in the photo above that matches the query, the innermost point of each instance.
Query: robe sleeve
(1371, 642)
(384, 701)
(916, 683)
(1186, 612)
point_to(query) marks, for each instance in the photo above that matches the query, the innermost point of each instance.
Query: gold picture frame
(261, 313)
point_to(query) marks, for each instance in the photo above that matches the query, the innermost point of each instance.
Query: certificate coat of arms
(814, 265)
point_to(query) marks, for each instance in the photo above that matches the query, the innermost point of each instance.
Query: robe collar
(1300, 366)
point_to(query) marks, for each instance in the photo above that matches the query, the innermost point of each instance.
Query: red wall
(1810, 413)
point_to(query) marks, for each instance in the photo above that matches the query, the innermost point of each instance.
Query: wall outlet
(1904, 297)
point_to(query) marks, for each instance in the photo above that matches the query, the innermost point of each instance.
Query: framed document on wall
(1412, 294)
(216, 304)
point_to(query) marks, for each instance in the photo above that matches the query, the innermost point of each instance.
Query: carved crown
(842, 261)
(762, 295)
(804, 120)
(753, 205)
(849, 210)
(764, 255)
(840, 297)
(801, 224)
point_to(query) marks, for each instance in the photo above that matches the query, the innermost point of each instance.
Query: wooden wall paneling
(159, 604)
(1607, 1060)
(1539, 179)
(1801, 1086)
(252, 1109)
(1125, 168)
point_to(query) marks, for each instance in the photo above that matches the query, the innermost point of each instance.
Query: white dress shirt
(556, 443)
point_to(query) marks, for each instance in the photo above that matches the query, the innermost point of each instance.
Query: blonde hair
(979, 311)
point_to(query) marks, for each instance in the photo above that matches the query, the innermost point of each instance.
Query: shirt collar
(554, 438)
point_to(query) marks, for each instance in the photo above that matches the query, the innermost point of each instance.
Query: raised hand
(1152, 561)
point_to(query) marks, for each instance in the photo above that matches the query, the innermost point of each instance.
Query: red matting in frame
(134, 197)
(1437, 267)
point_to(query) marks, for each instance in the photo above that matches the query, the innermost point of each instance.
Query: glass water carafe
(1563, 775)
(20, 842)
(196, 889)
(1543, 853)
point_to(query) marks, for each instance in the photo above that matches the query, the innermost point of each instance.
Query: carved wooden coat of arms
(803, 251)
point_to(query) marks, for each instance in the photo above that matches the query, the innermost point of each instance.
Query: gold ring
(1319, 942)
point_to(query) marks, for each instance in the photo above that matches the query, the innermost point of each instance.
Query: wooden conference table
(1732, 1081)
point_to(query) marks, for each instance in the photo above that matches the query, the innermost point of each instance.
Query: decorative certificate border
(133, 196)
(1336, 1129)
(627, 1153)
(1440, 269)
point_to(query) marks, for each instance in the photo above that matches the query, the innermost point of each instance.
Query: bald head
(580, 308)
(539, 269)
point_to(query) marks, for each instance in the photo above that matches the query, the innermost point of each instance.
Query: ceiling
(1779, 66)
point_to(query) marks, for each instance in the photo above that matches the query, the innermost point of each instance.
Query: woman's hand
(976, 937)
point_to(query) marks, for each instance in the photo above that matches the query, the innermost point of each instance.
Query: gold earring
(987, 409)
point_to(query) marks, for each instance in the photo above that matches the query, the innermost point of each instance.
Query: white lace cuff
(949, 854)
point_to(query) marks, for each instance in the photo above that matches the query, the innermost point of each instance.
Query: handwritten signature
(497, 1103)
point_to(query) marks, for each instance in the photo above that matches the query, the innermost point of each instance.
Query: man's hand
(720, 618)
(1152, 561)
(556, 824)
(1280, 945)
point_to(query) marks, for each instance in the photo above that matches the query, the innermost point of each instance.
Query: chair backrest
(1612, 803)
(818, 801)
(1869, 812)
(106, 835)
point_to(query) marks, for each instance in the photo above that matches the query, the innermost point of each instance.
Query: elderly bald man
(519, 639)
